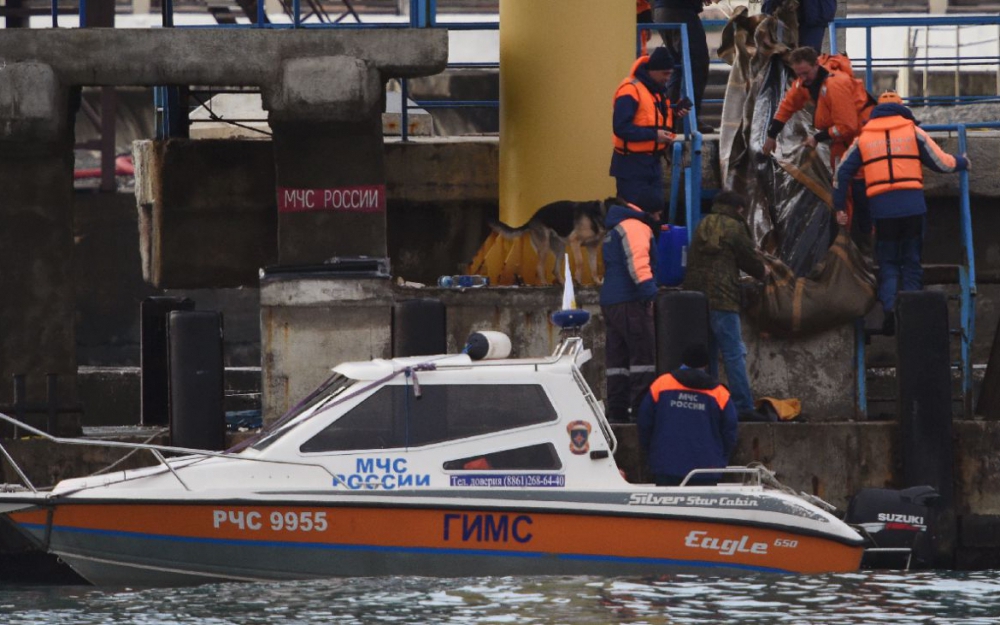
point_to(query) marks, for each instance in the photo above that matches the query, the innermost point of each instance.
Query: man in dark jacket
(642, 126)
(814, 18)
(627, 304)
(720, 248)
(687, 421)
(889, 151)
(686, 12)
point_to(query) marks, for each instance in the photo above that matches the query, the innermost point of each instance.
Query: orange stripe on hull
(709, 543)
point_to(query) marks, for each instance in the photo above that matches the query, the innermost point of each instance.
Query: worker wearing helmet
(890, 152)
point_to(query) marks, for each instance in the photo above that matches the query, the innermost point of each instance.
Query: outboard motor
(898, 524)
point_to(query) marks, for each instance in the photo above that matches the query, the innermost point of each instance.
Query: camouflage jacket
(720, 248)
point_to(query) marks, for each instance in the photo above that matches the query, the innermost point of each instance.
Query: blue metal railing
(957, 61)
(432, 104)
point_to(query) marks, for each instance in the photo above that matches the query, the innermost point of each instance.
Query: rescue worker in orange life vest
(642, 122)
(842, 104)
(687, 421)
(842, 107)
(889, 152)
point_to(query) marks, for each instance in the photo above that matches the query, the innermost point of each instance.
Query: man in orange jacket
(842, 108)
(842, 104)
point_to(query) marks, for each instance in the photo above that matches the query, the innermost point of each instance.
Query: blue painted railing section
(871, 63)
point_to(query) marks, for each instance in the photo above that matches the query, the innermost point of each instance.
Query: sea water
(857, 598)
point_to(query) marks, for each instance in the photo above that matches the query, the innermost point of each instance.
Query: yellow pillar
(560, 62)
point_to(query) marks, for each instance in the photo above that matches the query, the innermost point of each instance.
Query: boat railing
(760, 476)
(156, 450)
(573, 347)
(755, 473)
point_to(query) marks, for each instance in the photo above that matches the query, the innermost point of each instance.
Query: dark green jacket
(720, 248)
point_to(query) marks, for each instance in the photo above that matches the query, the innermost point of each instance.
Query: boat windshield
(322, 396)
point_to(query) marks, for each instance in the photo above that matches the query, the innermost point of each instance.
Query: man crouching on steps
(627, 304)
(687, 422)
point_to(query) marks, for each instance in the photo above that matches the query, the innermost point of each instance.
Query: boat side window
(542, 456)
(393, 417)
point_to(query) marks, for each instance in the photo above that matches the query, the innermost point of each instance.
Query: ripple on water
(941, 598)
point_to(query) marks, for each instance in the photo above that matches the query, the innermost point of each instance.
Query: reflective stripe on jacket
(629, 257)
(890, 156)
(653, 112)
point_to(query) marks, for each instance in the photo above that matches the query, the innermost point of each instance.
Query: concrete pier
(322, 88)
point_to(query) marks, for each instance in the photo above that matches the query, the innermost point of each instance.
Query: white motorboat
(443, 466)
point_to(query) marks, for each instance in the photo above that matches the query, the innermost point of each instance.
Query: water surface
(859, 598)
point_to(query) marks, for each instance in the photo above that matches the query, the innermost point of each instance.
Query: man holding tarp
(889, 152)
(842, 107)
(842, 104)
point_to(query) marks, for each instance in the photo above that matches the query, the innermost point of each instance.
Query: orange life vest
(648, 114)
(890, 155)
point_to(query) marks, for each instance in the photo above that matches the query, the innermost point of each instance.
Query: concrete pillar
(329, 161)
(558, 72)
(36, 232)
(310, 323)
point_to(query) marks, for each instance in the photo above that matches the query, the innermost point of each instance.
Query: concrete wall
(311, 323)
(208, 211)
(208, 208)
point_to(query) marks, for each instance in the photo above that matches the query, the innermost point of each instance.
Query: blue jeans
(640, 191)
(727, 337)
(899, 244)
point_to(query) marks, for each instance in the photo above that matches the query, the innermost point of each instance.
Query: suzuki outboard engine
(899, 525)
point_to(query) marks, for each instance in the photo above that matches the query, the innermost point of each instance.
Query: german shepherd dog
(555, 225)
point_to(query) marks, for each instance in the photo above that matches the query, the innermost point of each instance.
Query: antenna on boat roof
(570, 319)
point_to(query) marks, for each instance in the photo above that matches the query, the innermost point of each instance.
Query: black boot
(889, 324)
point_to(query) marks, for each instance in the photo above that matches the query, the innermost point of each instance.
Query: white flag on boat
(569, 296)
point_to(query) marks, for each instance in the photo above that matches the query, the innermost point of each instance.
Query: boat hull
(165, 544)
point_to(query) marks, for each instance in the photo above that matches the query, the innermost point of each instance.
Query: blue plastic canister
(671, 257)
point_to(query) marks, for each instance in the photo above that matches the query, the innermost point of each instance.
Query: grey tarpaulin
(790, 193)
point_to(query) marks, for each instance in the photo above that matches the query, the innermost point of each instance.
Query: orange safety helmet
(890, 97)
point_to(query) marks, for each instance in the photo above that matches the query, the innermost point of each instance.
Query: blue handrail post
(675, 176)
(869, 80)
(693, 185)
(420, 13)
(260, 12)
(55, 13)
(83, 13)
(296, 13)
(967, 278)
(832, 27)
